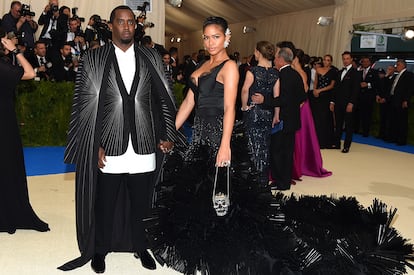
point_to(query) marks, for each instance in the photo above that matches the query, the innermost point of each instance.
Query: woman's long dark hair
(216, 21)
(2, 49)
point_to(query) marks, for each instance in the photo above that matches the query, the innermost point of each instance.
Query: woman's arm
(230, 76)
(245, 90)
(29, 73)
(276, 93)
(185, 110)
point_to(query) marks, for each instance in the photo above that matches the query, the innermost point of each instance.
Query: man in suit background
(40, 63)
(369, 85)
(344, 100)
(64, 67)
(292, 94)
(383, 99)
(401, 90)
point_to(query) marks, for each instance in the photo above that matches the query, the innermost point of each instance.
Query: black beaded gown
(15, 209)
(258, 120)
(262, 233)
(323, 117)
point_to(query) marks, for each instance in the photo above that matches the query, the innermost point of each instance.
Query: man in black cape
(122, 122)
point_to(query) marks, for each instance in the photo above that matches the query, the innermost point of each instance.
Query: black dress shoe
(98, 263)
(147, 260)
(345, 150)
(274, 186)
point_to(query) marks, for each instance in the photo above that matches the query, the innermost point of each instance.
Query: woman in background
(323, 117)
(259, 79)
(15, 209)
(307, 156)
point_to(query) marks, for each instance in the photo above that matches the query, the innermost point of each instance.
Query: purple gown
(307, 159)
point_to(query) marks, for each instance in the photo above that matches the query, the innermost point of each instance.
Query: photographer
(141, 24)
(19, 21)
(97, 30)
(76, 38)
(64, 67)
(55, 25)
(40, 63)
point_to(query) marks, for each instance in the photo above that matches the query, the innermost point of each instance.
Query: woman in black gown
(15, 209)
(260, 233)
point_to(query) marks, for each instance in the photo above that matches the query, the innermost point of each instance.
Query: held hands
(166, 146)
(101, 158)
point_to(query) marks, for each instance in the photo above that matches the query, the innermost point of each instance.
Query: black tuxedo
(58, 35)
(346, 91)
(36, 63)
(383, 92)
(292, 94)
(139, 32)
(399, 115)
(60, 69)
(366, 100)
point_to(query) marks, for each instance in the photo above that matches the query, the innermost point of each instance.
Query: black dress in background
(15, 209)
(322, 116)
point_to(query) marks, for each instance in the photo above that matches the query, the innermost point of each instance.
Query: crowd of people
(131, 158)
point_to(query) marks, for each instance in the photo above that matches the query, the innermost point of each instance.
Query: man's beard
(126, 41)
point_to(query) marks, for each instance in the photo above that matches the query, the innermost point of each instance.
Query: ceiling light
(248, 29)
(324, 21)
(176, 3)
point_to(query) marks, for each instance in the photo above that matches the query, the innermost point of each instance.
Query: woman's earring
(226, 43)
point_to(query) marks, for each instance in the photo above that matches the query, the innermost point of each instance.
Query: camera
(149, 24)
(54, 8)
(143, 15)
(75, 15)
(25, 10)
(143, 8)
(68, 59)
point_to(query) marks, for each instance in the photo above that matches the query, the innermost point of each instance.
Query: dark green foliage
(43, 112)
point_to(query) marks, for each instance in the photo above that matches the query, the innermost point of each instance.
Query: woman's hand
(223, 158)
(8, 44)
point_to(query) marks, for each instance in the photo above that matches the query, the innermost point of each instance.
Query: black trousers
(343, 119)
(399, 124)
(139, 187)
(366, 108)
(281, 157)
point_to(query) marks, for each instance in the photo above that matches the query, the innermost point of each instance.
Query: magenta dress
(307, 158)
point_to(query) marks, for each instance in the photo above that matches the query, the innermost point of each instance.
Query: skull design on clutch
(221, 203)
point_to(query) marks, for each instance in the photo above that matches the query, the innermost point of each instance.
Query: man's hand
(349, 107)
(257, 98)
(166, 146)
(332, 106)
(101, 158)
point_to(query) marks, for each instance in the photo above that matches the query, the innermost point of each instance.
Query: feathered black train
(264, 233)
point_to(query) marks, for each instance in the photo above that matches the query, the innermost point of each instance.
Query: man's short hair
(286, 54)
(15, 3)
(122, 7)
